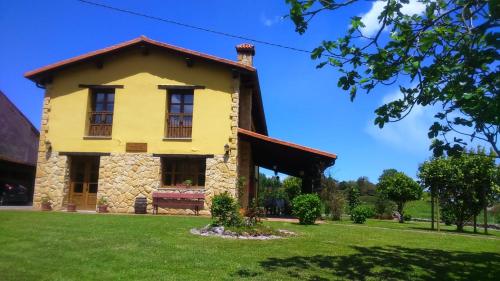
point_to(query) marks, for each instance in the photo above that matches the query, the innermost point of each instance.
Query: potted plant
(46, 203)
(71, 207)
(102, 205)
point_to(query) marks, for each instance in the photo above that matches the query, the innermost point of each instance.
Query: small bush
(307, 208)
(224, 211)
(254, 214)
(447, 216)
(361, 213)
(407, 217)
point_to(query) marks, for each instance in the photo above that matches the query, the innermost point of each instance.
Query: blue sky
(302, 104)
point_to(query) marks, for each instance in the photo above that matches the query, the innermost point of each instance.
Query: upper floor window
(101, 115)
(180, 114)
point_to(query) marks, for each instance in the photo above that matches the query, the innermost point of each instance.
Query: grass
(66, 246)
(422, 208)
(419, 209)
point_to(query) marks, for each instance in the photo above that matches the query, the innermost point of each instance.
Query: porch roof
(286, 157)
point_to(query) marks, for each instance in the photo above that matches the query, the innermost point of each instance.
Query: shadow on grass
(385, 263)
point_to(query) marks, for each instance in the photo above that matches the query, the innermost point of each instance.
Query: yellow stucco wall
(140, 107)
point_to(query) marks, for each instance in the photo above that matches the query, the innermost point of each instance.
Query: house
(18, 149)
(144, 116)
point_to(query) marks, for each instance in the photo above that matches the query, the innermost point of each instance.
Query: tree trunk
(432, 210)
(437, 214)
(400, 211)
(460, 225)
(485, 211)
(475, 224)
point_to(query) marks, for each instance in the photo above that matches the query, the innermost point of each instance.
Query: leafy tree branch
(449, 53)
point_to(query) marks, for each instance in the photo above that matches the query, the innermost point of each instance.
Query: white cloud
(370, 19)
(269, 21)
(409, 134)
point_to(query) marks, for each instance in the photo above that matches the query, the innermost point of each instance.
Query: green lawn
(65, 246)
(422, 208)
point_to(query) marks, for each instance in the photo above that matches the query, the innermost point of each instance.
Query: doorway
(84, 175)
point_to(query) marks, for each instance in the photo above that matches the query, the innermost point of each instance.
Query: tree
(465, 184)
(449, 52)
(479, 171)
(352, 197)
(293, 187)
(435, 175)
(365, 186)
(399, 188)
(332, 197)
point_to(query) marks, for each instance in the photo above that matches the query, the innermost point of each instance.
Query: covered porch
(283, 157)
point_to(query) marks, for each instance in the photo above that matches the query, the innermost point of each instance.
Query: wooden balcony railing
(179, 126)
(101, 123)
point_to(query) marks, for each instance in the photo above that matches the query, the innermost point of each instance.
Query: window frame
(199, 172)
(101, 128)
(181, 131)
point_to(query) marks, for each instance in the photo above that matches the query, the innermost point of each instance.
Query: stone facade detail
(221, 175)
(52, 180)
(125, 176)
(52, 173)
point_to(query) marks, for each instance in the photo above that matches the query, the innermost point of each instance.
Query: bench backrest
(169, 195)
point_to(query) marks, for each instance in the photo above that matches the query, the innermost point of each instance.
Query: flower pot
(102, 208)
(46, 206)
(71, 207)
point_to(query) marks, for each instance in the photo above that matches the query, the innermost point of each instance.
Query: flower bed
(258, 232)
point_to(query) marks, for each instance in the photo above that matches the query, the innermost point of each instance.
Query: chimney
(245, 53)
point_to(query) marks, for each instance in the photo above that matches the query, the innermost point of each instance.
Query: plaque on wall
(136, 147)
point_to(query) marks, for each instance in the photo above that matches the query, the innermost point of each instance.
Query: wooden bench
(194, 201)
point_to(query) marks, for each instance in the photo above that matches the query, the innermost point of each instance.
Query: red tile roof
(285, 143)
(143, 39)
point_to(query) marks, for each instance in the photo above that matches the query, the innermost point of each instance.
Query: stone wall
(221, 175)
(125, 176)
(52, 180)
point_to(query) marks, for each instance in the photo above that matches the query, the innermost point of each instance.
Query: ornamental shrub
(307, 208)
(224, 210)
(361, 213)
(448, 216)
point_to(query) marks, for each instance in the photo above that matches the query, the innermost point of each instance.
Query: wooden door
(84, 177)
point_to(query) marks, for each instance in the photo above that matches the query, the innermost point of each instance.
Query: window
(180, 114)
(101, 115)
(183, 172)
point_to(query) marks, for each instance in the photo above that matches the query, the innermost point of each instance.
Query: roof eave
(34, 75)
